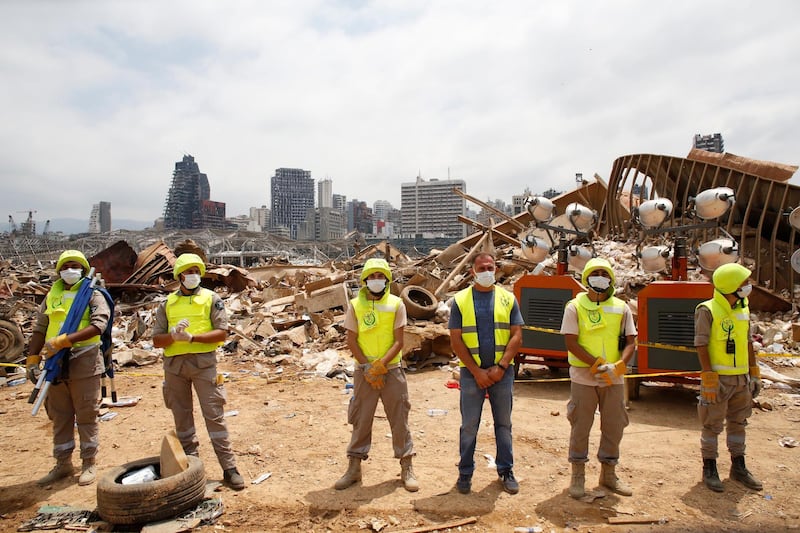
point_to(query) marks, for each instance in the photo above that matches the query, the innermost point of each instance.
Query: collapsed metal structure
(759, 219)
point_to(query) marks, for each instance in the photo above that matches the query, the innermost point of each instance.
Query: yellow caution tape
(627, 376)
(12, 365)
(543, 330)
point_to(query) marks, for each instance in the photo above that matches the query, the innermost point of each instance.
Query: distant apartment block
(359, 216)
(709, 143)
(100, 218)
(323, 224)
(339, 202)
(292, 195)
(260, 215)
(325, 193)
(431, 207)
(189, 204)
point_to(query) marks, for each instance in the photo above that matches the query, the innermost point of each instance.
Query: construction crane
(29, 226)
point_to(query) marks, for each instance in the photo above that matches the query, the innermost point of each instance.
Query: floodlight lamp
(582, 217)
(534, 249)
(716, 253)
(578, 256)
(653, 213)
(713, 203)
(654, 258)
(540, 208)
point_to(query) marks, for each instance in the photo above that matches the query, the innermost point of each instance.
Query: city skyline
(370, 95)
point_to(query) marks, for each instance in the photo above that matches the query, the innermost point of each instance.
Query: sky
(99, 99)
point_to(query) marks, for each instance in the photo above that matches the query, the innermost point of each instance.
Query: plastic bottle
(142, 475)
(534, 529)
(437, 412)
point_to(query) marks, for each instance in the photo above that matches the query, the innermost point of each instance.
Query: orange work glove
(375, 374)
(55, 344)
(597, 363)
(620, 368)
(709, 386)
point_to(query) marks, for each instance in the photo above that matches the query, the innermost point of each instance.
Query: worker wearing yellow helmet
(375, 321)
(600, 333)
(190, 325)
(730, 377)
(73, 399)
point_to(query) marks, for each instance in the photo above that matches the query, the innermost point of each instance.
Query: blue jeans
(501, 400)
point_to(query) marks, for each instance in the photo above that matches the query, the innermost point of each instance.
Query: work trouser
(361, 413)
(70, 403)
(200, 371)
(583, 402)
(734, 406)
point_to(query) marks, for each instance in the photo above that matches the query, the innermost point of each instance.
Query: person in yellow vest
(730, 377)
(74, 398)
(485, 334)
(374, 321)
(599, 333)
(190, 325)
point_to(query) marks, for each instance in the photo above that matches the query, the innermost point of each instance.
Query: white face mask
(191, 281)
(71, 275)
(376, 285)
(598, 283)
(744, 291)
(485, 278)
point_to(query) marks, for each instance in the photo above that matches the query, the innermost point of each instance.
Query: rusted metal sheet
(115, 263)
(758, 220)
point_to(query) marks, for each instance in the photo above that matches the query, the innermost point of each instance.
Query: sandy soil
(296, 429)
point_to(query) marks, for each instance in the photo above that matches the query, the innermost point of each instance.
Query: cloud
(101, 99)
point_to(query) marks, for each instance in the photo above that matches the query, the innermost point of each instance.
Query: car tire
(151, 501)
(420, 302)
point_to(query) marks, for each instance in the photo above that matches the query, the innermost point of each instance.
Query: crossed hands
(375, 374)
(179, 332)
(608, 373)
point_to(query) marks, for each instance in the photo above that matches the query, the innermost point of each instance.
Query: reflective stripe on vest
(599, 327)
(503, 304)
(57, 307)
(726, 322)
(376, 324)
(196, 308)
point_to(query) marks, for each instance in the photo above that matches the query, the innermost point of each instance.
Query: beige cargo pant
(361, 413)
(583, 402)
(734, 406)
(181, 373)
(70, 403)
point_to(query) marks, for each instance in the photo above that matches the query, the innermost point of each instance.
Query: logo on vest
(594, 316)
(370, 319)
(727, 325)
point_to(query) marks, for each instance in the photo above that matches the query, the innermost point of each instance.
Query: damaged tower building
(188, 204)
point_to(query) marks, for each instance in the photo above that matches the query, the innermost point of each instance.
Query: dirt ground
(296, 429)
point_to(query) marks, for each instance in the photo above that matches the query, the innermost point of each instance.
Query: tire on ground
(420, 302)
(151, 501)
(11, 342)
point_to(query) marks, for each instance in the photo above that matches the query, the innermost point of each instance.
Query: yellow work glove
(375, 374)
(709, 386)
(55, 344)
(755, 381)
(32, 366)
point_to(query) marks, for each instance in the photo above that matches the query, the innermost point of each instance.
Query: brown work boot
(609, 479)
(62, 469)
(576, 485)
(407, 475)
(233, 478)
(88, 472)
(352, 475)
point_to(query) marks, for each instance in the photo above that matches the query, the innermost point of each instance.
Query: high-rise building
(189, 204)
(100, 218)
(709, 143)
(292, 195)
(431, 207)
(323, 224)
(325, 193)
(381, 209)
(260, 216)
(360, 215)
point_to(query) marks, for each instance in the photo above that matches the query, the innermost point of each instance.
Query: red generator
(541, 301)
(666, 330)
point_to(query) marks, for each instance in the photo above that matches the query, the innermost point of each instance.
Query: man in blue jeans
(485, 333)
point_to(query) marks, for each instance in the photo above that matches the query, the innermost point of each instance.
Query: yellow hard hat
(727, 278)
(72, 255)
(595, 264)
(375, 264)
(185, 261)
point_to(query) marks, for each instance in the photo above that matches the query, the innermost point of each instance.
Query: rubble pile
(291, 316)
